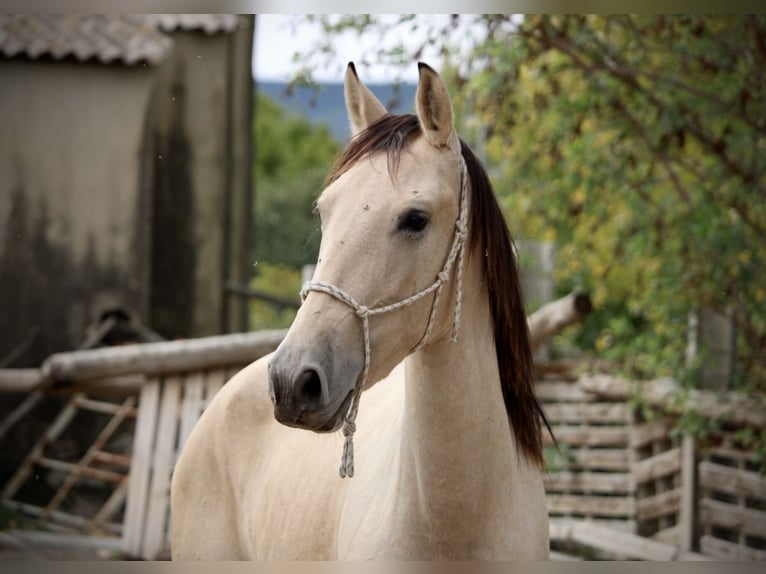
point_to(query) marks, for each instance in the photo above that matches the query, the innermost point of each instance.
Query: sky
(275, 43)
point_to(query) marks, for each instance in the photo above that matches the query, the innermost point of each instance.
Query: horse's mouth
(317, 422)
(334, 422)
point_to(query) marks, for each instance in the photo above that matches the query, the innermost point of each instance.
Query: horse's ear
(361, 104)
(434, 108)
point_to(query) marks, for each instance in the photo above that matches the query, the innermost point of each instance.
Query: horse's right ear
(361, 104)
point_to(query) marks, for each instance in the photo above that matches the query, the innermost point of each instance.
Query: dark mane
(488, 234)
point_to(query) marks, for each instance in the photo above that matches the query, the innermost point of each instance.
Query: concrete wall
(202, 181)
(125, 185)
(202, 129)
(73, 206)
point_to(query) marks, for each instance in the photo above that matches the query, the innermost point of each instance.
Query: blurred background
(157, 177)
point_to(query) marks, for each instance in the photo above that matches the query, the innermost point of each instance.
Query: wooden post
(711, 340)
(555, 316)
(536, 261)
(138, 486)
(688, 515)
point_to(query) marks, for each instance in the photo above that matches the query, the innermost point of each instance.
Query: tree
(291, 159)
(638, 143)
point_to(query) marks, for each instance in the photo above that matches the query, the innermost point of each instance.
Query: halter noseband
(456, 253)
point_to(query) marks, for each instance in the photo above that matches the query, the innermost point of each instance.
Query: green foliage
(291, 160)
(281, 281)
(557, 458)
(12, 518)
(637, 143)
(755, 441)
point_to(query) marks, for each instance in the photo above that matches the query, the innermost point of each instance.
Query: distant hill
(328, 106)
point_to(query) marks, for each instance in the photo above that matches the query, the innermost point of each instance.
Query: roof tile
(128, 39)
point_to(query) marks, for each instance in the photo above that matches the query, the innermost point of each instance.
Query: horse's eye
(414, 221)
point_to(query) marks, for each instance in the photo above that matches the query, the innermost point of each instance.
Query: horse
(414, 321)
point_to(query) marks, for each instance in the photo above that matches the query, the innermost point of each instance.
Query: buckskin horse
(415, 322)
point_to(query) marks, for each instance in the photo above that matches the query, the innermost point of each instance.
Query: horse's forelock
(489, 236)
(389, 134)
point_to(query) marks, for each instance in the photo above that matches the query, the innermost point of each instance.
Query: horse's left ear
(434, 108)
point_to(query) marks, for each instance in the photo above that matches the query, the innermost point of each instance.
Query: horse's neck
(457, 452)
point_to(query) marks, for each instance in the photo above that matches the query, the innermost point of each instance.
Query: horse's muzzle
(302, 399)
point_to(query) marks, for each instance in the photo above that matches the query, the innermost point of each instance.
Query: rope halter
(456, 254)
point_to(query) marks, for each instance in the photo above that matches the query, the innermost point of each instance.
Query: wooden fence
(633, 472)
(161, 389)
(621, 484)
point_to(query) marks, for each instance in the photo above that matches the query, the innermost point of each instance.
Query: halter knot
(349, 428)
(362, 311)
(443, 276)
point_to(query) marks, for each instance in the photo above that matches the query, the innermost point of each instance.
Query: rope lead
(347, 458)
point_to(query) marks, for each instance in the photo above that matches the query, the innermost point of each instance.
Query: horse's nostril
(308, 387)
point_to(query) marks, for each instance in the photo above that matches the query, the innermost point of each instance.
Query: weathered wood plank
(104, 407)
(725, 550)
(561, 528)
(561, 392)
(610, 483)
(668, 462)
(563, 557)
(622, 543)
(670, 535)
(732, 407)
(729, 452)
(192, 406)
(556, 315)
(162, 465)
(57, 540)
(645, 433)
(600, 459)
(589, 435)
(69, 467)
(163, 357)
(588, 412)
(51, 433)
(72, 521)
(112, 458)
(85, 461)
(660, 504)
(732, 480)
(617, 541)
(718, 513)
(20, 412)
(213, 382)
(138, 485)
(591, 505)
(113, 503)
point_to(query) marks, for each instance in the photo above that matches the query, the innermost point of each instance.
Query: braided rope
(456, 254)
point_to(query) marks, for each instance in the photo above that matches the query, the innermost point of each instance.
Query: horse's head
(388, 216)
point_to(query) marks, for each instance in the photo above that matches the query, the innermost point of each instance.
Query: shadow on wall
(26, 269)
